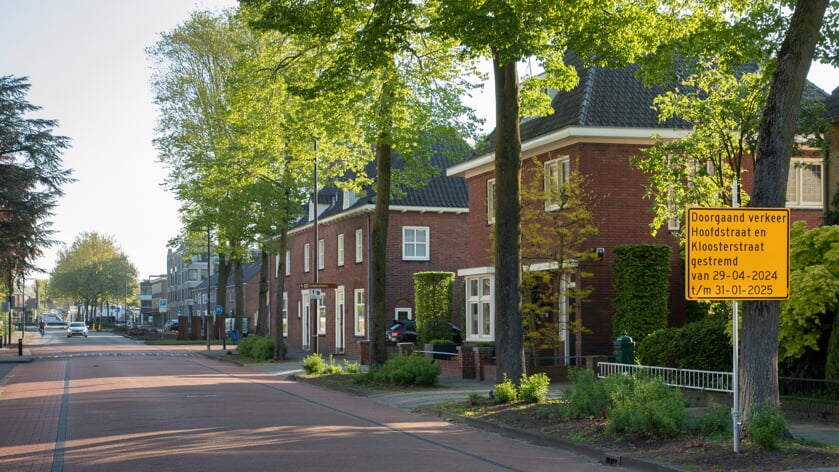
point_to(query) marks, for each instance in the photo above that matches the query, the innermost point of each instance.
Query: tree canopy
(32, 174)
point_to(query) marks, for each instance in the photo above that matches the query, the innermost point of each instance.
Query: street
(109, 403)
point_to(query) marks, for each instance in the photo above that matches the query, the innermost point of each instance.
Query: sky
(88, 69)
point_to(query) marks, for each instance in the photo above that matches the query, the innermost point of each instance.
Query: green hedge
(433, 295)
(702, 345)
(642, 287)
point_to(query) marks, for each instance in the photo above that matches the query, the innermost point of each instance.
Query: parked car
(171, 325)
(53, 320)
(405, 331)
(77, 328)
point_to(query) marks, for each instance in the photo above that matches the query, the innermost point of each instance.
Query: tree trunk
(224, 268)
(508, 318)
(262, 318)
(378, 257)
(759, 346)
(239, 284)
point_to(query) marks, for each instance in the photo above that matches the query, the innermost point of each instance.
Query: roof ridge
(588, 94)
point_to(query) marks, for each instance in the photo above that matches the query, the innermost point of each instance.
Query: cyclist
(41, 326)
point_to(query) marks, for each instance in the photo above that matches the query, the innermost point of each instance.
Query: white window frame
(285, 314)
(340, 319)
(480, 308)
(321, 303)
(557, 172)
(341, 250)
(306, 262)
(359, 246)
(798, 167)
(411, 246)
(490, 201)
(288, 262)
(321, 257)
(359, 315)
(403, 314)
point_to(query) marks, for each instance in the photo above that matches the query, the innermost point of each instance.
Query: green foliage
(587, 396)
(716, 421)
(766, 427)
(505, 392)
(814, 289)
(642, 287)
(534, 389)
(352, 367)
(646, 406)
(258, 347)
(314, 363)
(433, 299)
(702, 345)
(408, 370)
(831, 368)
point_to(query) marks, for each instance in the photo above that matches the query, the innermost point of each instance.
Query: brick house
(595, 129)
(427, 232)
(250, 278)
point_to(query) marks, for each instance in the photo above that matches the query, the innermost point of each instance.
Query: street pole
(316, 312)
(207, 330)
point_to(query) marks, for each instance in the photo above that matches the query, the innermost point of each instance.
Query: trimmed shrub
(642, 288)
(534, 389)
(257, 347)
(408, 370)
(716, 422)
(702, 345)
(433, 295)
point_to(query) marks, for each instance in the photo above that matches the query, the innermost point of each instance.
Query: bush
(701, 345)
(534, 389)
(352, 367)
(257, 347)
(646, 406)
(408, 370)
(642, 287)
(716, 422)
(505, 391)
(314, 364)
(587, 396)
(766, 427)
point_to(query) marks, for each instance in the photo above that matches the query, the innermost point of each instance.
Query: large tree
(612, 32)
(92, 271)
(759, 345)
(404, 86)
(32, 175)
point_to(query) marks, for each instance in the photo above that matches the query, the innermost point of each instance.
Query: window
(349, 199)
(358, 246)
(321, 301)
(341, 250)
(320, 254)
(804, 184)
(359, 319)
(479, 309)
(490, 201)
(288, 262)
(193, 275)
(415, 243)
(403, 314)
(285, 314)
(556, 175)
(306, 257)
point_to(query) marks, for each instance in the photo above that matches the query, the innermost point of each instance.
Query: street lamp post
(207, 330)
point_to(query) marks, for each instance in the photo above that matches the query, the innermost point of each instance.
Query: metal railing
(682, 378)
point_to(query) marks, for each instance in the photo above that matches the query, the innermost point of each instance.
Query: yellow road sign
(737, 254)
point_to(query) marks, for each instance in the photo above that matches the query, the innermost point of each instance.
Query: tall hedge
(433, 294)
(642, 286)
(701, 345)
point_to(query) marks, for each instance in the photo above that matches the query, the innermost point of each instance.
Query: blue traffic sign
(219, 309)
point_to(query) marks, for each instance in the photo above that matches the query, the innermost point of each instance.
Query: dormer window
(349, 199)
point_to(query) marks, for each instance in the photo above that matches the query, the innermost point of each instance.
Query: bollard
(19, 347)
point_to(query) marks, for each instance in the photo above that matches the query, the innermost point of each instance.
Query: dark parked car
(171, 325)
(405, 331)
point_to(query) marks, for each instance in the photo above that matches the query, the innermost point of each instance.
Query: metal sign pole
(735, 409)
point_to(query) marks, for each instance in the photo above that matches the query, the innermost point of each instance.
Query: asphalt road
(108, 403)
